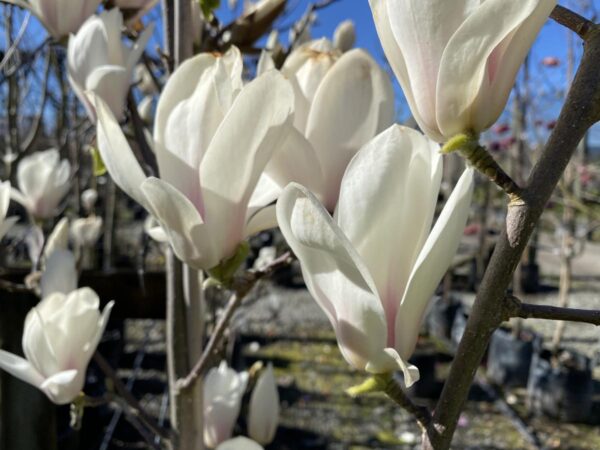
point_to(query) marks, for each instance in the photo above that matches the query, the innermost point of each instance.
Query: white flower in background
(457, 60)
(5, 222)
(58, 239)
(62, 17)
(223, 391)
(43, 181)
(239, 443)
(60, 273)
(60, 335)
(100, 62)
(86, 231)
(374, 266)
(89, 197)
(213, 138)
(263, 414)
(342, 102)
(344, 36)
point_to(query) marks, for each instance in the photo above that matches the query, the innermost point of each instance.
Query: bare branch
(580, 111)
(516, 308)
(572, 21)
(241, 289)
(131, 401)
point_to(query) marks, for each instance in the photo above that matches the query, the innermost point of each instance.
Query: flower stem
(468, 146)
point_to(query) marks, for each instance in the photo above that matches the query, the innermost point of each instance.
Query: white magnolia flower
(89, 197)
(43, 181)
(263, 414)
(5, 222)
(240, 443)
(60, 335)
(62, 17)
(86, 231)
(223, 391)
(342, 102)
(100, 62)
(374, 266)
(213, 138)
(457, 60)
(58, 239)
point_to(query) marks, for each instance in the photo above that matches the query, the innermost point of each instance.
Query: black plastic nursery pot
(509, 357)
(560, 386)
(440, 317)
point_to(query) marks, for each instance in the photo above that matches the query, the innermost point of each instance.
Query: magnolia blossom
(374, 266)
(239, 443)
(5, 222)
(89, 197)
(100, 62)
(263, 415)
(86, 231)
(213, 138)
(60, 335)
(223, 391)
(43, 180)
(342, 101)
(457, 60)
(61, 17)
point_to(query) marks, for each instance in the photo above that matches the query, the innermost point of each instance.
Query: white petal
(239, 443)
(4, 198)
(400, 167)
(253, 129)
(263, 412)
(60, 274)
(182, 223)
(422, 29)
(110, 83)
(63, 387)
(354, 102)
(298, 162)
(336, 278)
(20, 368)
(58, 238)
(505, 61)
(433, 261)
(261, 220)
(117, 154)
(464, 63)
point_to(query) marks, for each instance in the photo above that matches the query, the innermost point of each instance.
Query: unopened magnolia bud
(263, 415)
(89, 197)
(344, 36)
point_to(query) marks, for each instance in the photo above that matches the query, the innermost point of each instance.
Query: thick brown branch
(241, 289)
(515, 308)
(580, 112)
(572, 21)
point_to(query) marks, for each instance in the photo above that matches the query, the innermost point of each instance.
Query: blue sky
(552, 41)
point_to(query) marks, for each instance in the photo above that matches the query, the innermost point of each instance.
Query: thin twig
(9, 286)
(390, 386)
(516, 308)
(572, 21)
(241, 288)
(128, 397)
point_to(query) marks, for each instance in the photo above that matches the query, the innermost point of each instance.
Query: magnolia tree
(309, 145)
